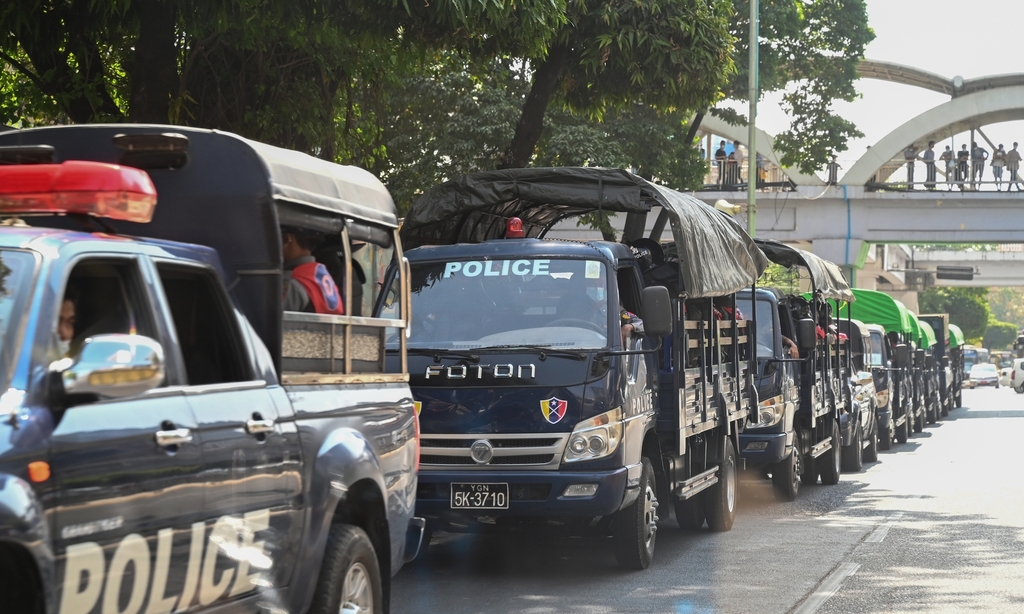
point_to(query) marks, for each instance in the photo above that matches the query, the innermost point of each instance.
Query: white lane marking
(830, 586)
(883, 529)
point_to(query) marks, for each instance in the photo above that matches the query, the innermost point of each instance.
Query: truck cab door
(126, 471)
(249, 443)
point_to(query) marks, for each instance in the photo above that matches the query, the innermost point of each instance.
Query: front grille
(508, 450)
(532, 459)
(434, 459)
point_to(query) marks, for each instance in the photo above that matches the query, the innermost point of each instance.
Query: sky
(971, 38)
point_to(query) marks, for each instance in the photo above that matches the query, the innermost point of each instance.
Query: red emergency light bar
(77, 187)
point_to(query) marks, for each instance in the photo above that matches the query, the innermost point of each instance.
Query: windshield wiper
(544, 350)
(439, 353)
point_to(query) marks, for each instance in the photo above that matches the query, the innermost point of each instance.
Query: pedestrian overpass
(866, 206)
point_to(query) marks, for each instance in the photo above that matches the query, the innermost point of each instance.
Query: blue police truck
(541, 404)
(802, 376)
(170, 440)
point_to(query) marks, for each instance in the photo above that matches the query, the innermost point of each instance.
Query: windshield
(17, 269)
(876, 349)
(765, 325)
(983, 369)
(551, 302)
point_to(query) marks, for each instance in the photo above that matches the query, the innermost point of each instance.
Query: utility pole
(752, 123)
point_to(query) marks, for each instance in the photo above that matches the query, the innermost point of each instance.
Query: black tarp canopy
(826, 277)
(716, 256)
(231, 194)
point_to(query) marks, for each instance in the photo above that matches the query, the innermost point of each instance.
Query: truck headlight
(595, 438)
(769, 413)
(882, 397)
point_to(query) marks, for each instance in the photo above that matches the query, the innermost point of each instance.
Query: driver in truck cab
(308, 286)
(596, 310)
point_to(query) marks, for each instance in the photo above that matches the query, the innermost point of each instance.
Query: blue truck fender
(23, 524)
(345, 459)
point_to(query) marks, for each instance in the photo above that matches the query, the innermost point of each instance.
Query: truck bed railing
(322, 348)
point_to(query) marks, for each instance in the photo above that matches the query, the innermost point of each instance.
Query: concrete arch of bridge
(765, 145)
(958, 115)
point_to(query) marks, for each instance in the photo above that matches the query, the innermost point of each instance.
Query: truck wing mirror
(112, 367)
(657, 311)
(805, 332)
(919, 358)
(902, 355)
(929, 361)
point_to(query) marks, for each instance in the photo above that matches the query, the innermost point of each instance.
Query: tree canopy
(967, 307)
(418, 92)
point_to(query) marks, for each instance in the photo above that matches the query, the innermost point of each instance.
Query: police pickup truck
(170, 440)
(542, 407)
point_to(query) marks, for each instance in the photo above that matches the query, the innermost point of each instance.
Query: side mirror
(902, 355)
(657, 311)
(806, 333)
(929, 361)
(112, 367)
(919, 358)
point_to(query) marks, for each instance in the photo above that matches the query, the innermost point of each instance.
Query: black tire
(853, 461)
(636, 527)
(885, 439)
(690, 513)
(959, 398)
(349, 575)
(933, 413)
(919, 421)
(1019, 389)
(870, 453)
(721, 500)
(903, 430)
(786, 476)
(830, 463)
(947, 405)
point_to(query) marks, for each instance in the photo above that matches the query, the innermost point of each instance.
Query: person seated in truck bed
(308, 286)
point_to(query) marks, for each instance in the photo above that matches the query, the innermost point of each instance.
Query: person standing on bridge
(720, 158)
(998, 161)
(910, 155)
(963, 158)
(929, 165)
(737, 163)
(949, 164)
(833, 171)
(978, 157)
(1012, 165)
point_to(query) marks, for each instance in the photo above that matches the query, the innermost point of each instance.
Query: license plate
(479, 496)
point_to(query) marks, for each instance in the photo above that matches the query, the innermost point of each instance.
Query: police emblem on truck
(553, 409)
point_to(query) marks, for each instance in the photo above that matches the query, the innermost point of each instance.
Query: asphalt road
(936, 525)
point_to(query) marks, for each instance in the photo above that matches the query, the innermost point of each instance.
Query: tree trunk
(154, 70)
(691, 133)
(531, 121)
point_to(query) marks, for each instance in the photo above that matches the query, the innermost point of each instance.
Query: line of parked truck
(197, 448)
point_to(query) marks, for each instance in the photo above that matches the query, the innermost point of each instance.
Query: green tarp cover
(874, 307)
(915, 328)
(927, 338)
(716, 256)
(956, 336)
(827, 278)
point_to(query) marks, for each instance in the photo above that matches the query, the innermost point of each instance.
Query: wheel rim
(837, 444)
(650, 515)
(356, 592)
(730, 484)
(797, 469)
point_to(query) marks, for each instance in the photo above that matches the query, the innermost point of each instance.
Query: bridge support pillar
(849, 252)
